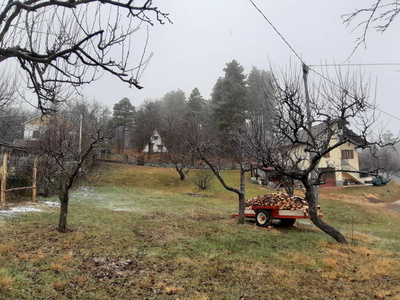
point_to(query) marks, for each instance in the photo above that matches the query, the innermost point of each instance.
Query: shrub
(203, 178)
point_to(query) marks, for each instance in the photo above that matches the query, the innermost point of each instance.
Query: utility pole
(309, 123)
(4, 180)
(80, 134)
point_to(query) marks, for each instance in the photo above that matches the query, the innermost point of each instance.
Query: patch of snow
(20, 209)
(51, 203)
(303, 222)
(398, 202)
(84, 191)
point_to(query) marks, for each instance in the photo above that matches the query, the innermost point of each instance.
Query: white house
(156, 144)
(36, 127)
(338, 167)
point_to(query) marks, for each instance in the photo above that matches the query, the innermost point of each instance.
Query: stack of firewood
(282, 201)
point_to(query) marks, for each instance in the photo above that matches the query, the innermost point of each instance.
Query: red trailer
(265, 214)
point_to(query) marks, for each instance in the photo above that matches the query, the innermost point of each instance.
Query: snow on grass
(15, 210)
(51, 203)
(9, 213)
(110, 198)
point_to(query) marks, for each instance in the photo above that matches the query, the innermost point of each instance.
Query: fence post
(4, 180)
(35, 161)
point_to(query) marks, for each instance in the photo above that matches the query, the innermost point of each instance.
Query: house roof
(46, 119)
(27, 146)
(319, 130)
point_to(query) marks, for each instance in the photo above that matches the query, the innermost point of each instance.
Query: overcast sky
(207, 34)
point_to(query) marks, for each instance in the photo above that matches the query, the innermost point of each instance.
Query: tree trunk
(312, 209)
(150, 150)
(289, 185)
(240, 192)
(119, 148)
(123, 139)
(241, 208)
(241, 197)
(181, 174)
(64, 198)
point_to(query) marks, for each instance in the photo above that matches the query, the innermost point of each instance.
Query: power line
(327, 65)
(337, 85)
(386, 113)
(277, 31)
(287, 43)
(356, 65)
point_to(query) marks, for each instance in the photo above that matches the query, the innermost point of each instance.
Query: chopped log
(282, 201)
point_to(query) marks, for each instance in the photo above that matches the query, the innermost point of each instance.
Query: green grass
(135, 233)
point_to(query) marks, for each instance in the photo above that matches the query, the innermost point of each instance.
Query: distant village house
(338, 167)
(156, 144)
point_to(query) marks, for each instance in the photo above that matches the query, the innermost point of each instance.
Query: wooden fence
(4, 189)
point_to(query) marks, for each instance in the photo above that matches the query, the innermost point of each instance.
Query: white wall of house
(36, 127)
(344, 157)
(156, 144)
(32, 132)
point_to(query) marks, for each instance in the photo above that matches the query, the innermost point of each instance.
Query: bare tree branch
(62, 44)
(380, 14)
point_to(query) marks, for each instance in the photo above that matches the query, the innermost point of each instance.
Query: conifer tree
(123, 114)
(229, 97)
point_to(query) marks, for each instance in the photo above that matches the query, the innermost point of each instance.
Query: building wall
(336, 161)
(36, 127)
(29, 131)
(156, 144)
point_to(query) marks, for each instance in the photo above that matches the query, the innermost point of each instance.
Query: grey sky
(207, 34)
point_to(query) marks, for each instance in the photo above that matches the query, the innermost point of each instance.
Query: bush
(203, 178)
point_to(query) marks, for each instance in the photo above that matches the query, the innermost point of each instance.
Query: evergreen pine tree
(229, 97)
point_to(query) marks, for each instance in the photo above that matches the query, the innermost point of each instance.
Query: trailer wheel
(263, 218)
(287, 222)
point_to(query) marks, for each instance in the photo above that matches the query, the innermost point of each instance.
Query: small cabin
(156, 144)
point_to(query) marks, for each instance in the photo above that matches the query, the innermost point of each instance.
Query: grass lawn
(137, 233)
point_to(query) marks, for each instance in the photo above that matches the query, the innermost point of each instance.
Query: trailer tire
(287, 222)
(263, 218)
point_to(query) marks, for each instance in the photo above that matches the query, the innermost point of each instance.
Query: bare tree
(147, 120)
(295, 144)
(63, 158)
(211, 147)
(203, 178)
(384, 160)
(173, 133)
(66, 43)
(11, 113)
(380, 15)
(174, 130)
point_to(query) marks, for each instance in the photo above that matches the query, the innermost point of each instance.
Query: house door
(329, 177)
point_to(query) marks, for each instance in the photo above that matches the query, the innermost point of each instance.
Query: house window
(347, 154)
(155, 138)
(160, 147)
(35, 134)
